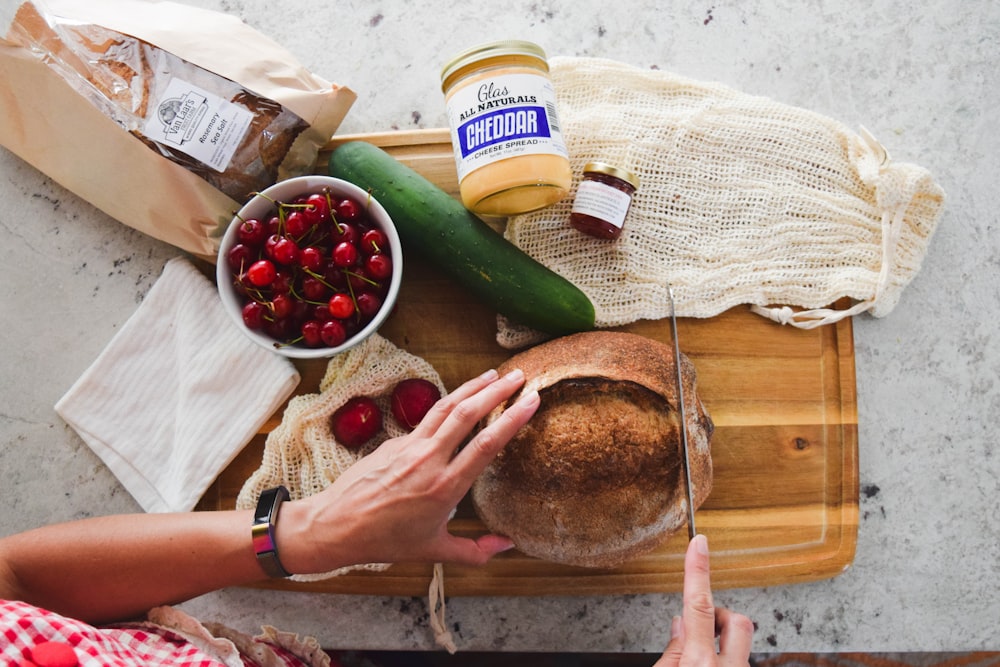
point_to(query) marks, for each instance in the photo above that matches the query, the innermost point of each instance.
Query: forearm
(116, 567)
(392, 505)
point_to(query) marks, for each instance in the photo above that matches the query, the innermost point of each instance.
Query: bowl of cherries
(310, 267)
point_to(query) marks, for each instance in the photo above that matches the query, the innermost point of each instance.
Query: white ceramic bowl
(261, 207)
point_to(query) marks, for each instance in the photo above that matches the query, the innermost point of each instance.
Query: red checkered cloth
(23, 626)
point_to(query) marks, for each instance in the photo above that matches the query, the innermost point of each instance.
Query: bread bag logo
(181, 116)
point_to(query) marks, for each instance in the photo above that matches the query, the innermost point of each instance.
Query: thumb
(494, 544)
(675, 648)
(466, 551)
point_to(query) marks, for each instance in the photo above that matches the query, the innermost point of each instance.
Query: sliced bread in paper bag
(164, 116)
(742, 200)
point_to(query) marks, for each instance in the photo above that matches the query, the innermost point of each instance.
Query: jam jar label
(602, 201)
(501, 117)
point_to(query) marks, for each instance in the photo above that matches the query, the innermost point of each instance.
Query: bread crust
(595, 478)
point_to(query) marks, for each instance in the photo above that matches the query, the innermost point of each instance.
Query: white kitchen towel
(177, 393)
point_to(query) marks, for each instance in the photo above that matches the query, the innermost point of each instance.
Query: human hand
(692, 638)
(393, 505)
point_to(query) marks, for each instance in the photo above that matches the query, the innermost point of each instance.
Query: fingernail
(530, 397)
(701, 544)
(516, 374)
(491, 374)
(676, 627)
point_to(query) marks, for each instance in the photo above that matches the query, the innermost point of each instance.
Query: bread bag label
(202, 125)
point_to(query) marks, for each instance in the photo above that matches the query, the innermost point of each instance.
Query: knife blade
(686, 459)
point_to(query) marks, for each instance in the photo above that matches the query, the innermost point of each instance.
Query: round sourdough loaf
(596, 477)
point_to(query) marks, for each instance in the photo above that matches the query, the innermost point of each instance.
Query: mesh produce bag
(742, 200)
(301, 452)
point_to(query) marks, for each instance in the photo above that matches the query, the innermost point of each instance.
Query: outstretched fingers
(458, 414)
(486, 444)
(441, 410)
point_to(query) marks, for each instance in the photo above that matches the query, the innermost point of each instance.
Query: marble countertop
(922, 77)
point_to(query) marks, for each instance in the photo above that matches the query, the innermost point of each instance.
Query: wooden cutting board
(784, 504)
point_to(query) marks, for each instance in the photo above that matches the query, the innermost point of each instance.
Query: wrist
(307, 544)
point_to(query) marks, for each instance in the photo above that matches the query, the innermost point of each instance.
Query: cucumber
(445, 233)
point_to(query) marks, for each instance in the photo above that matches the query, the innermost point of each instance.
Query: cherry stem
(333, 215)
(361, 277)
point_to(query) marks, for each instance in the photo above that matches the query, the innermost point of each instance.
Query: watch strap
(264, 519)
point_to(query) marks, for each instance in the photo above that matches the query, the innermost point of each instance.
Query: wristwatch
(264, 519)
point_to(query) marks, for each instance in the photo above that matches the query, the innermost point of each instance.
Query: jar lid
(611, 170)
(507, 47)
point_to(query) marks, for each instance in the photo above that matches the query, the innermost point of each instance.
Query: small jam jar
(602, 200)
(509, 151)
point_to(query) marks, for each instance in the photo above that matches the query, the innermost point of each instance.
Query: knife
(692, 531)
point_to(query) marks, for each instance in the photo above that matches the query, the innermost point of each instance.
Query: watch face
(263, 525)
(268, 504)
(263, 511)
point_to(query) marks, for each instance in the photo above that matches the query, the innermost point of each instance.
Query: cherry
(351, 326)
(311, 258)
(269, 244)
(356, 422)
(311, 333)
(335, 277)
(300, 310)
(333, 333)
(341, 305)
(345, 233)
(286, 251)
(243, 286)
(277, 329)
(314, 289)
(318, 208)
(253, 314)
(261, 273)
(368, 304)
(239, 256)
(373, 241)
(252, 232)
(321, 313)
(359, 281)
(282, 282)
(296, 224)
(412, 399)
(345, 254)
(282, 306)
(346, 210)
(379, 266)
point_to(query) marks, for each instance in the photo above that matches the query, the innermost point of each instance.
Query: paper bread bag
(164, 116)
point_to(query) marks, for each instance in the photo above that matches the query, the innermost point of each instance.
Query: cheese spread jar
(509, 150)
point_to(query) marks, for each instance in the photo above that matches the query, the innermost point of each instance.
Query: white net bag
(302, 454)
(742, 200)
